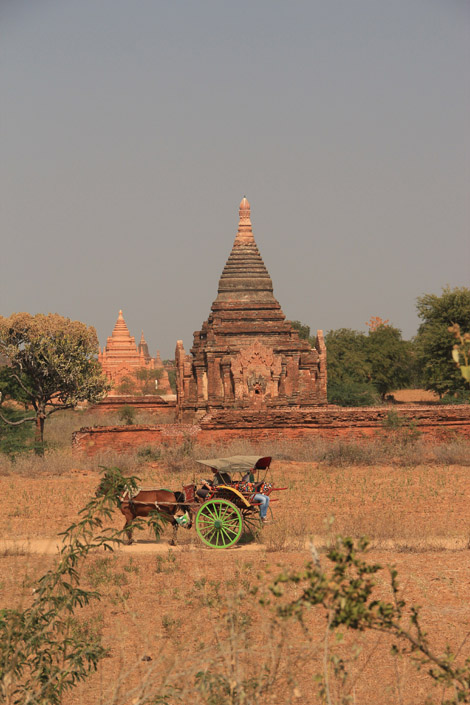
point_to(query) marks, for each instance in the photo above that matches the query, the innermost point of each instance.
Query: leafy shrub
(393, 420)
(15, 439)
(127, 415)
(347, 594)
(405, 432)
(149, 454)
(43, 654)
(462, 396)
(353, 394)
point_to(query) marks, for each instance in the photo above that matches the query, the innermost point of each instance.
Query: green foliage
(10, 388)
(358, 364)
(406, 432)
(389, 359)
(303, 331)
(146, 379)
(219, 689)
(15, 439)
(352, 394)
(346, 356)
(127, 386)
(347, 593)
(140, 382)
(461, 351)
(170, 368)
(44, 650)
(393, 421)
(149, 454)
(172, 380)
(53, 360)
(462, 396)
(434, 342)
(114, 483)
(127, 415)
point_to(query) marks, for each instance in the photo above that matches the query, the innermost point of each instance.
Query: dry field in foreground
(170, 615)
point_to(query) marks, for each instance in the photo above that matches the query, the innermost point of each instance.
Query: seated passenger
(264, 504)
(219, 478)
(248, 485)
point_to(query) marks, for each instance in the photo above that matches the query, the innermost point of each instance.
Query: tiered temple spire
(245, 278)
(120, 358)
(144, 348)
(247, 353)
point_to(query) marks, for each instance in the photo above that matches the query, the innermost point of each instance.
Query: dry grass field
(415, 396)
(190, 625)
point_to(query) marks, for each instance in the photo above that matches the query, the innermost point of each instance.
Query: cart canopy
(235, 463)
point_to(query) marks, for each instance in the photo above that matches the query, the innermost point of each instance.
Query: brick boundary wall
(435, 422)
(151, 402)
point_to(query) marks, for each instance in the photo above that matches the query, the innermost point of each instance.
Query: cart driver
(219, 478)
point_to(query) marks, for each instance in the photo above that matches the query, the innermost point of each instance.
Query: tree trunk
(39, 434)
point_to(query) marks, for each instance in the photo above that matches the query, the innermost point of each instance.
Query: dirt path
(51, 546)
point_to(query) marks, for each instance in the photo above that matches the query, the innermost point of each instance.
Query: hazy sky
(131, 129)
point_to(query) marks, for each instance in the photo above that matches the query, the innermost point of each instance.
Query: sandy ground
(169, 613)
(52, 546)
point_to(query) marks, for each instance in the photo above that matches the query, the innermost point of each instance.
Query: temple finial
(245, 232)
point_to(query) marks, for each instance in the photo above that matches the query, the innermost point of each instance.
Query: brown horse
(145, 501)
(136, 502)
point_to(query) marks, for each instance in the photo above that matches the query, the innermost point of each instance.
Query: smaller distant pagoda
(121, 358)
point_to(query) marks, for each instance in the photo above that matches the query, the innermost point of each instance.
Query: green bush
(149, 454)
(462, 396)
(15, 439)
(127, 415)
(353, 394)
(346, 593)
(44, 651)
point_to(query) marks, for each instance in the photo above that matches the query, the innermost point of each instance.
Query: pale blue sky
(130, 130)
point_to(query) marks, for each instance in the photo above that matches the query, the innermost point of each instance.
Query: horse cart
(222, 513)
(230, 508)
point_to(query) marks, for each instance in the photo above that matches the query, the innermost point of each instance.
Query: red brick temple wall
(164, 409)
(435, 422)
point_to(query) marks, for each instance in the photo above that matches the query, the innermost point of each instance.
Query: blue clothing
(264, 499)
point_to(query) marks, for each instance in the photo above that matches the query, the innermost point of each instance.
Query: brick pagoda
(120, 357)
(247, 355)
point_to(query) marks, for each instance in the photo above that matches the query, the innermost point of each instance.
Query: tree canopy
(434, 341)
(346, 356)
(304, 331)
(52, 360)
(389, 358)
(360, 365)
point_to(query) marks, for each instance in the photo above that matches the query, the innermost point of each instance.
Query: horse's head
(114, 484)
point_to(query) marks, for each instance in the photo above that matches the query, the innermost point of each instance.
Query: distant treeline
(363, 368)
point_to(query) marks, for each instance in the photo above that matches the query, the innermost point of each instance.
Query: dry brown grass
(164, 621)
(415, 396)
(195, 610)
(406, 504)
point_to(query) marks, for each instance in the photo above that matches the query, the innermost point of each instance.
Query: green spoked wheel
(251, 522)
(219, 523)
